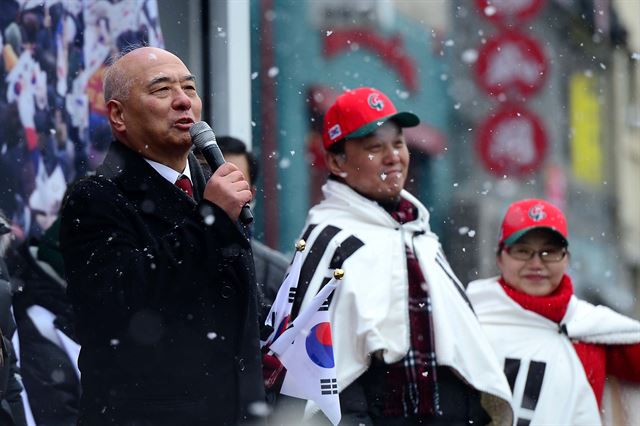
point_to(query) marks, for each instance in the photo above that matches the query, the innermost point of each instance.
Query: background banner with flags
(53, 119)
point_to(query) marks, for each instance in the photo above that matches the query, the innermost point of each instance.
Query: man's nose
(181, 101)
(390, 153)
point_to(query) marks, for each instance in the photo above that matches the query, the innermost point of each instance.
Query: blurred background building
(518, 98)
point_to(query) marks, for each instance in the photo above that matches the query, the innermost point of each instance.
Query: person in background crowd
(159, 271)
(270, 264)
(11, 408)
(44, 319)
(407, 346)
(556, 349)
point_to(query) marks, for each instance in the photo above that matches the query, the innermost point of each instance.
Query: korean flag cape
(548, 380)
(304, 346)
(369, 309)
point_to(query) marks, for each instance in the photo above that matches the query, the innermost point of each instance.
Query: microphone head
(202, 135)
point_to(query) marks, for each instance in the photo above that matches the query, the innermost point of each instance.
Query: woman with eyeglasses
(556, 349)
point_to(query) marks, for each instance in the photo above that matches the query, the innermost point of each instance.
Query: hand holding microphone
(205, 140)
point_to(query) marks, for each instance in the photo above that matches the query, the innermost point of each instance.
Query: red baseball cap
(359, 112)
(526, 215)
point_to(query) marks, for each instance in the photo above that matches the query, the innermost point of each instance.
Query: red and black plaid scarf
(410, 387)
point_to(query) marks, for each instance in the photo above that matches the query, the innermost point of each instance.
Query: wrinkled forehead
(388, 128)
(147, 64)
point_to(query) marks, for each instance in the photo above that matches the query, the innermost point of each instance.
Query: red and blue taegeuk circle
(319, 345)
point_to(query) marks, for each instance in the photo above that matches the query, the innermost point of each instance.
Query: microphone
(205, 140)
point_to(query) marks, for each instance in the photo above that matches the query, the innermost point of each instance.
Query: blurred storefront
(537, 78)
(626, 122)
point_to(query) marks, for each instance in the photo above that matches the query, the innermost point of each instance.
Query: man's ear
(115, 112)
(334, 163)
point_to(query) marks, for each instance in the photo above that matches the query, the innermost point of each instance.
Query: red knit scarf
(552, 306)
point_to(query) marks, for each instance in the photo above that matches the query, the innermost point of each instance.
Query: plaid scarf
(410, 387)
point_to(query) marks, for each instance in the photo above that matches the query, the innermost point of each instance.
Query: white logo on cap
(335, 132)
(537, 213)
(375, 102)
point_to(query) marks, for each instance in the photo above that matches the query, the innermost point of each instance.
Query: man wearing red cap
(407, 346)
(556, 349)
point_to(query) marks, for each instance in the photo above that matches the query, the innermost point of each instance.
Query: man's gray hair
(116, 85)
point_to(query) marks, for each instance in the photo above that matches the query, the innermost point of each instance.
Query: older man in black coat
(161, 278)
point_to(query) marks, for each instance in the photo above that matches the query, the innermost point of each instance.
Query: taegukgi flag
(278, 318)
(305, 349)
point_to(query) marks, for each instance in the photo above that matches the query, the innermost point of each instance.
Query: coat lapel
(147, 189)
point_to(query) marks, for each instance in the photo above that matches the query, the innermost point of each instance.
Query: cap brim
(404, 119)
(519, 234)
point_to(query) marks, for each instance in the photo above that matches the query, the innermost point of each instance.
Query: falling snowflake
(285, 163)
(273, 71)
(259, 409)
(402, 94)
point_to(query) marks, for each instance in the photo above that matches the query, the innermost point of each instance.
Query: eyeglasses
(548, 255)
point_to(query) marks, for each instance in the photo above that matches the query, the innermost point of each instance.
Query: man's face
(161, 107)
(376, 166)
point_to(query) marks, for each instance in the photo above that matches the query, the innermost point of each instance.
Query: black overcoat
(164, 293)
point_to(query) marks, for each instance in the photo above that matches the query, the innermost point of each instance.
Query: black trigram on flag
(326, 303)
(328, 386)
(292, 294)
(532, 386)
(316, 253)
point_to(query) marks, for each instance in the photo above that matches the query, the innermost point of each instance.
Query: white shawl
(369, 311)
(565, 396)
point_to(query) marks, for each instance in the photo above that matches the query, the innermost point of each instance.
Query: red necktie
(184, 183)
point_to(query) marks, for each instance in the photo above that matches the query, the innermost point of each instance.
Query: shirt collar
(168, 173)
